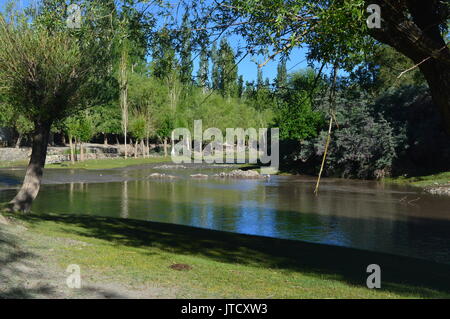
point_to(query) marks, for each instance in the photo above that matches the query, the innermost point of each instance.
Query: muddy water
(360, 214)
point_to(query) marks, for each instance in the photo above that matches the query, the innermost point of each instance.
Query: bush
(400, 133)
(362, 145)
(422, 146)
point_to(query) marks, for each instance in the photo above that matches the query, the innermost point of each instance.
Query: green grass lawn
(422, 181)
(10, 164)
(95, 164)
(226, 265)
(111, 163)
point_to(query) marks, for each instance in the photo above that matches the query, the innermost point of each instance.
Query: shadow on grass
(401, 275)
(26, 275)
(14, 264)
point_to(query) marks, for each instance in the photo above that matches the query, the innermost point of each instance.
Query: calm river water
(360, 214)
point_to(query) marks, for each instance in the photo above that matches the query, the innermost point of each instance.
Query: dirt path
(29, 269)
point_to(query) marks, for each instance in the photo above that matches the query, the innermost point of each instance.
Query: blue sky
(249, 66)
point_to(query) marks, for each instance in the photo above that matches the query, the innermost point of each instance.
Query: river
(352, 213)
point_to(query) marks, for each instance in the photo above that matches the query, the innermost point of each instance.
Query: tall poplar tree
(215, 73)
(228, 72)
(185, 51)
(281, 79)
(203, 69)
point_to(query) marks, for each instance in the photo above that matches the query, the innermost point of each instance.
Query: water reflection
(358, 214)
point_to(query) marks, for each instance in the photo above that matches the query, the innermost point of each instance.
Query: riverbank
(111, 163)
(107, 163)
(422, 181)
(129, 258)
(437, 184)
(13, 164)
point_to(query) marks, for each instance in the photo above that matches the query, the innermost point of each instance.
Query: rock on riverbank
(238, 173)
(162, 176)
(170, 166)
(199, 176)
(439, 190)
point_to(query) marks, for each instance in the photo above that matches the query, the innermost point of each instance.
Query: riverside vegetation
(365, 103)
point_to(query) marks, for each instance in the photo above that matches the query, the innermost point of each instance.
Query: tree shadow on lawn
(23, 274)
(402, 275)
(15, 264)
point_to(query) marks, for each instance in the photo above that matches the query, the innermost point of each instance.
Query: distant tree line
(127, 75)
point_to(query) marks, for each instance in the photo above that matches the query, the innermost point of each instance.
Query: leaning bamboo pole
(316, 190)
(327, 143)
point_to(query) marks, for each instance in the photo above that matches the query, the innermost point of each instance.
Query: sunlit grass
(9, 164)
(140, 253)
(422, 181)
(111, 163)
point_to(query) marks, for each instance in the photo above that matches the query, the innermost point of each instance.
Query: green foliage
(48, 71)
(296, 119)
(227, 70)
(153, 101)
(281, 79)
(185, 51)
(86, 129)
(163, 54)
(138, 127)
(295, 115)
(333, 31)
(80, 126)
(398, 133)
(5, 112)
(215, 74)
(203, 70)
(382, 69)
(362, 146)
(10, 117)
(133, 30)
(107, 118)
(165, 127)
(422, 146)
(23, 125)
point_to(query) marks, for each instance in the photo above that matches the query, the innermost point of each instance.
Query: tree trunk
(19, 140)
(81, 151)
(33, 176)
(437, 75)
(51, 140)
(165, 146)
(136, 149)
(72, 153)
(125, 141)
(414, 31)
(105, 139)
(123, 81)
(146, 147)
(77, 157)
(172, 151)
